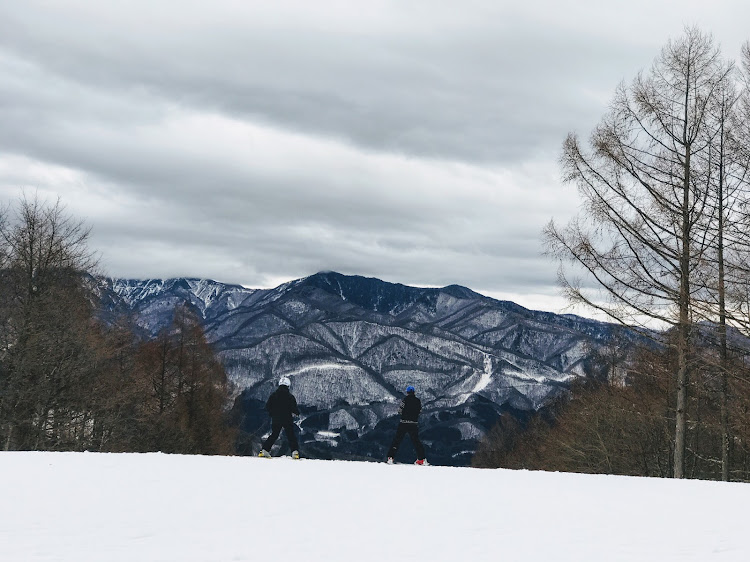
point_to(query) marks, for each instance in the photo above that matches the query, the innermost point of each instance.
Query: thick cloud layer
(257, 142)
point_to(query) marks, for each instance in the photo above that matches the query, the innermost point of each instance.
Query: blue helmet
(409, 389)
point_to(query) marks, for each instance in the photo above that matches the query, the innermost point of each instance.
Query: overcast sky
(258, 142)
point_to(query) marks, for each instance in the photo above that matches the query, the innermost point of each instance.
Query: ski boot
(390, 460)
(422, 462)
(264, 454)
(295, 454)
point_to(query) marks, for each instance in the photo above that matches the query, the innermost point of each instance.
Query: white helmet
(284, 381)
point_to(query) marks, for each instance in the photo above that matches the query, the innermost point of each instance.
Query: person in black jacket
(281, 405)
(409, 411)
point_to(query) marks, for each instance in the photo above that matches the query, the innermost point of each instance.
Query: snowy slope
(81, 507)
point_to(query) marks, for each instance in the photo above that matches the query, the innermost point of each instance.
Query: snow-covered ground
(82, 507)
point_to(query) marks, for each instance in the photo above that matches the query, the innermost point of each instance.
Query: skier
(281, 406)
(409, 411)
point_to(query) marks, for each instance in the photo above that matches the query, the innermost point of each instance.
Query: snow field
(81, 507)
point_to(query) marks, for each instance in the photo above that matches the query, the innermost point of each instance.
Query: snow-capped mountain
(352, 344)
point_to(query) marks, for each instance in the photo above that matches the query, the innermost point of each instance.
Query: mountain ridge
(351, 344)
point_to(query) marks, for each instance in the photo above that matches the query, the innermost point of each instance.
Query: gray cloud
(405, 90)
(257, 142)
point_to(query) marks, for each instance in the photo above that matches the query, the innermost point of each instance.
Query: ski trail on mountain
(486, 377)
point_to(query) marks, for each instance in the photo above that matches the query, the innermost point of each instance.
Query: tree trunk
(724, 364)
(683, 330)
(681, 412)
(9, 438)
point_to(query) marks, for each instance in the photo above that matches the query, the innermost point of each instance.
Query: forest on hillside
(70, 379)
(662, 245)
(623, 421)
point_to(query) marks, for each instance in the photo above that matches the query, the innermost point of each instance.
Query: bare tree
(642, 236)
(46, 322)
(185, 390)
(69, 381)
(726, 269)
(726, 274)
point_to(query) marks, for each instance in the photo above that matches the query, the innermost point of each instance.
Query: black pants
(276, 427)
(413, 430)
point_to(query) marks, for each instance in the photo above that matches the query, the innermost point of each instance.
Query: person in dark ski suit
(281, 406)
(409, 411)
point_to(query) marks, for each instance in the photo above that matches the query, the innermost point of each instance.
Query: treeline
(663, 242)
(73, 378)
(623, 422)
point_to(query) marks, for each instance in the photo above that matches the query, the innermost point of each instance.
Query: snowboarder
(281, 406)
(409, 411)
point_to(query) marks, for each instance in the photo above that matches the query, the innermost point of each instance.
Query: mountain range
(352, 344)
